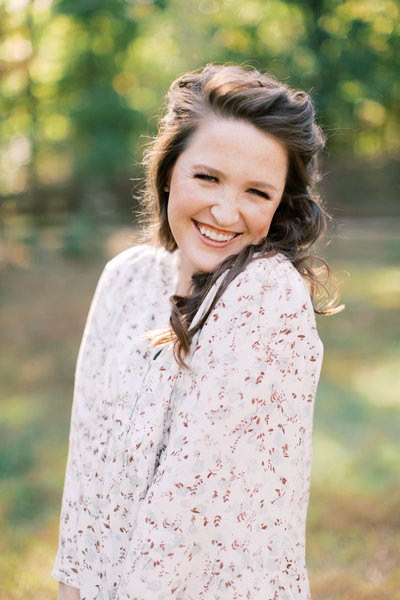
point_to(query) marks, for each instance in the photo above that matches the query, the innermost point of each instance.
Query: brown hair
(272, 107)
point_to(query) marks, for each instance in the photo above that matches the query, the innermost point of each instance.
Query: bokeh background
(81, 87)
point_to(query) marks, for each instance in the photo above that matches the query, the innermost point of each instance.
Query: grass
(354, 521)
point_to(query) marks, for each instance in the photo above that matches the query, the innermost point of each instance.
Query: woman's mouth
(215, 235)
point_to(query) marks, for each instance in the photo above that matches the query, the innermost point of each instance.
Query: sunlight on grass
(352, 547)
(25, 566)
(381, 286)
(17, 410)
(386, 287)
(379, 383)
(332, 460)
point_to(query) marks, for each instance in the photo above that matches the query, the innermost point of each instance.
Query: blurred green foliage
(82, 81)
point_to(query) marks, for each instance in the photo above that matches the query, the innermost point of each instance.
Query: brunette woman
(190, 447)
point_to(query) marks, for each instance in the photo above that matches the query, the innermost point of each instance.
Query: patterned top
(191, 484)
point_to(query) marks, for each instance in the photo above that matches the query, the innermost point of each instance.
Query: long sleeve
(89, 379)
(224, 517)
(104, 380)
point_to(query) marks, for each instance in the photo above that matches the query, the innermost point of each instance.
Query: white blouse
(191, 484)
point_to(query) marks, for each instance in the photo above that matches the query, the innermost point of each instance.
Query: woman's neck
(183, 286)
(184, 278)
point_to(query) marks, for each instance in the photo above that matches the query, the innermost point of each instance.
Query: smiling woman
(189, 463)
(234, 175)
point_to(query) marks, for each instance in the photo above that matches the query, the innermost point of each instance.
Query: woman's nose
(225, 211)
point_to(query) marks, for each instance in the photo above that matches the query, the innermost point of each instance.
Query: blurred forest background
(81, 87)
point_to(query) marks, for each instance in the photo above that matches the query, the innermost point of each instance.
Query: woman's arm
(86, 424)
(89, 430)
(89, 362)
(225, 514)
(66, 592)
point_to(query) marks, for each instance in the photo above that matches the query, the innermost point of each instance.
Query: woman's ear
(167, 182)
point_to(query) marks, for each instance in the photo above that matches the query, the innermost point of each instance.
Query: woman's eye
(205, 177)
(260, 193)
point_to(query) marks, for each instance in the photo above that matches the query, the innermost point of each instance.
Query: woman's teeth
(213, 235)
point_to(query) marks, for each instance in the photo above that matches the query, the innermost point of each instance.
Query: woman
(189, 460)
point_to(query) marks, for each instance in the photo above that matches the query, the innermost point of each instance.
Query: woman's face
(224, 190)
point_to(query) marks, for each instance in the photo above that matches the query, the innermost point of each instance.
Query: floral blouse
(191, 484)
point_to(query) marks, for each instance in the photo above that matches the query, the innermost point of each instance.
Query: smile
(215, 235)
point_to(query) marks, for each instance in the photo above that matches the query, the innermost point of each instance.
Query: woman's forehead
(229, 143)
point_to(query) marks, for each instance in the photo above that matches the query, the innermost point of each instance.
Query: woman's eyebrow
(256, 184)
(207, 168)
(262, 184)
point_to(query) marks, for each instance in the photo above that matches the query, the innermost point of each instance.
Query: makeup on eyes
(213, 178)
(260, 193)
(205, 176)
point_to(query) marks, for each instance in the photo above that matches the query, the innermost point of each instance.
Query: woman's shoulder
(137, 269)
(141, 254)
(268, 289)
(272, 275)
(142, 259)
(267, 296)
